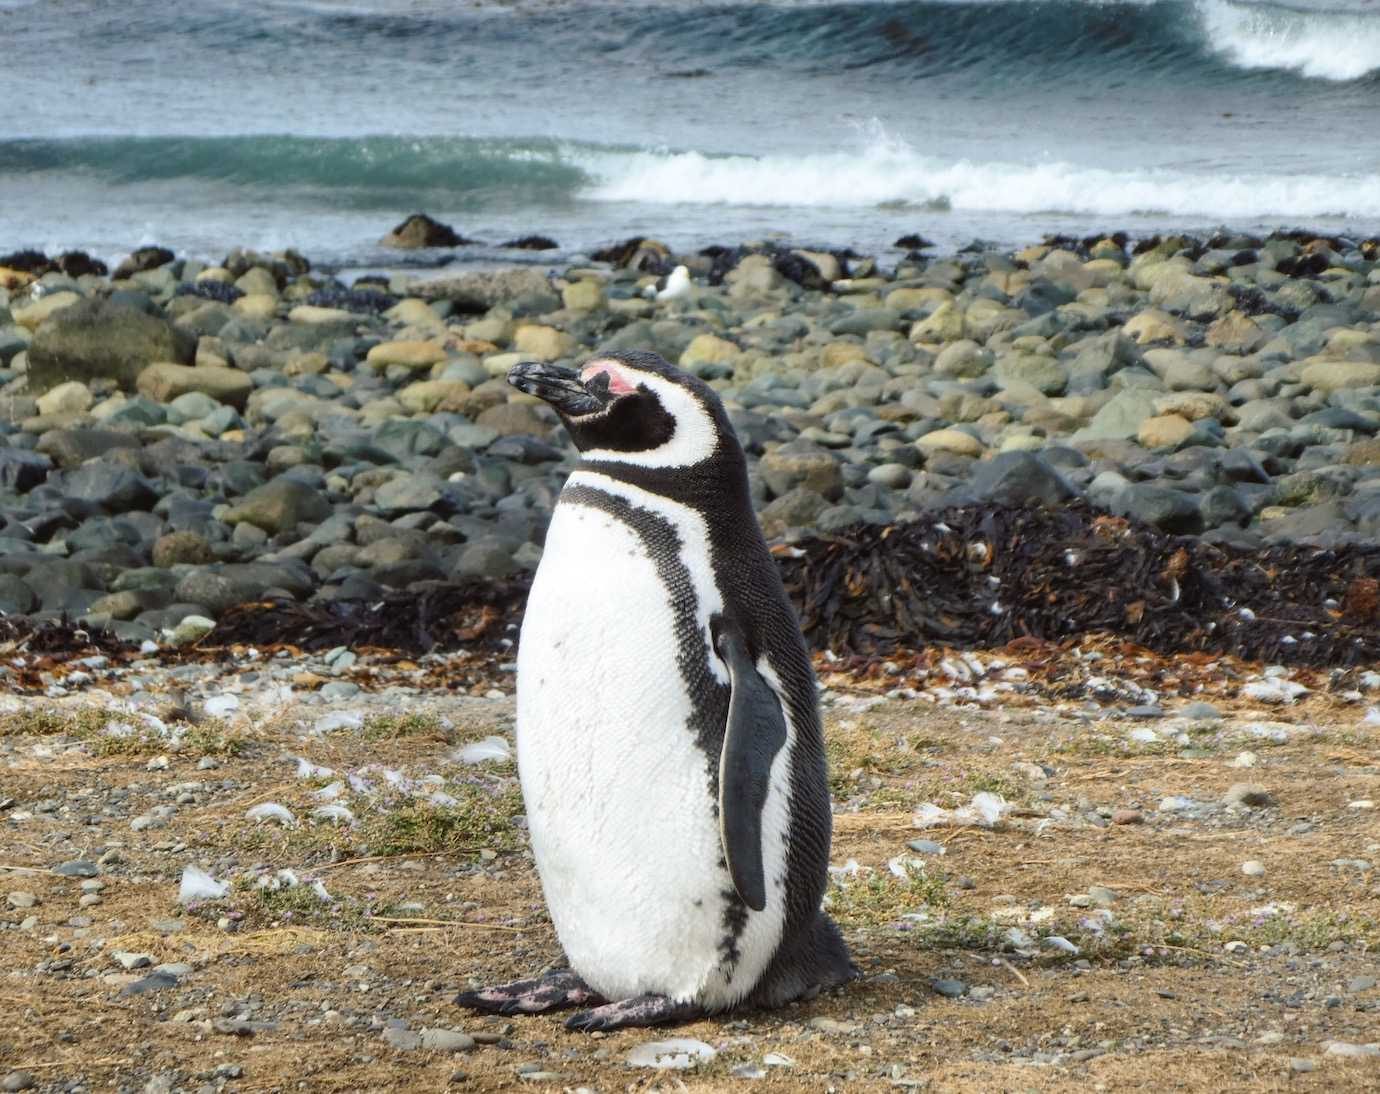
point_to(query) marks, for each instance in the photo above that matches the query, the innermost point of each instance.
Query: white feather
(272, 811)
(197, 885)
(490, 748)
(336, 814)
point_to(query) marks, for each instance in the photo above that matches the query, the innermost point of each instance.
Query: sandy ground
(1102, 935)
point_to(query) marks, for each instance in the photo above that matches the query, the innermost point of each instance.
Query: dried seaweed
(471, 614)
(981, 577)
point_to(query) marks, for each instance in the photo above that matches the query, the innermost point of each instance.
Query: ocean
(318, 125)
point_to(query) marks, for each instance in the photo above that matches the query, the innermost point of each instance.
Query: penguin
(669, 743)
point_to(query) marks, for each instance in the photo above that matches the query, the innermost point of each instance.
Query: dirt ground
(1101, 935)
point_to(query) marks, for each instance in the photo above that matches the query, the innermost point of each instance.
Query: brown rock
(181, 547)
(420, 230)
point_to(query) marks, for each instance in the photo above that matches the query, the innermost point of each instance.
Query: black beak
(561, 387)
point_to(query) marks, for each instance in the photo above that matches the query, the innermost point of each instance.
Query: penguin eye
(598, 386)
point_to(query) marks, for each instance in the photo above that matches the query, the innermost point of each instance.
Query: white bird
(678, 284)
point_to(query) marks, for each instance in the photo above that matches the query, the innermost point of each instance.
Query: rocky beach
(265, 539)
(181, 438)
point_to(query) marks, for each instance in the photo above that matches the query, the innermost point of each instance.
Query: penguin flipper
(755, 733)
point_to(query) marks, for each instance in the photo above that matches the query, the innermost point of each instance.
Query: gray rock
(18, 1080)
(1200, 711)
(114, 488)
(801, 464)
(280, 505)
(409, 494)
(16, 598)
(1014, 478)
(21, 469)
(1164, 507)
(220, 587)
(403, 439)
(99, 339)
(798, 508)
(73, 447)
(950, 989)
(524, 290)
(445, 1040)
(893, 476)
(1044, 374)
(1120, 417)
(1224, 505)
(484, 558)
(865, 320)
(77, 868)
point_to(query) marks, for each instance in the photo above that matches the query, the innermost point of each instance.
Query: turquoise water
(318, 125)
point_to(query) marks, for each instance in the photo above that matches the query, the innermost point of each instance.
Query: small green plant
(994, 784)
(481, 819)
(387, 727)
(214, 738)
(884, 897)
(51, 721)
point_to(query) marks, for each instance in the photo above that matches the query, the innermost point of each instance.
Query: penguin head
(631, 407)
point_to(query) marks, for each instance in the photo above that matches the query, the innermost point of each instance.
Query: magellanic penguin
(668, 732)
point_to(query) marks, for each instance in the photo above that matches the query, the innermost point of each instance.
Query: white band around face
(695, 435)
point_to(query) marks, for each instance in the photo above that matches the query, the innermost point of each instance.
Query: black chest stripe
(663, 545)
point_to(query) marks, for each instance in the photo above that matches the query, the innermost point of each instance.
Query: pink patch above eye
(618, 383)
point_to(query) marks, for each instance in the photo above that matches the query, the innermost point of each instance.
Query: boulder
(800, 464)
(72, 397)
(953, 441)
(141, 260)
(709, 349)
(522, 291)
(408, 354)
(1330, 376)
(163, 382)
(420, 230)
(1164, 431)
(99, 339)
(279, 505)
(540, 343)
(72, 447)
(1015, 478)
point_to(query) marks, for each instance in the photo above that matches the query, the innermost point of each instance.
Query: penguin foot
(555, 991)
(640, 1010)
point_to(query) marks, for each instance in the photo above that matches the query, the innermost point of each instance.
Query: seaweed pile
(981, 577)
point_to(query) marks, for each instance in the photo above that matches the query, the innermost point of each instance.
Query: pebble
(950, 989)
(1251, 795)
(18, 1080)
(926, 847)
(21, 899)
(1128, 816)
(77, 868)
(1252, 868)
(128, 960)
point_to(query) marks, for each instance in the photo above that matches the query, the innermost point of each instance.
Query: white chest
(618, 793)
